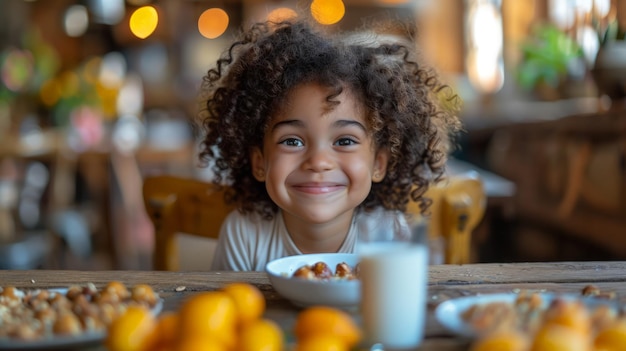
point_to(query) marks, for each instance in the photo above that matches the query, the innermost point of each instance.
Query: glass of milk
(393, 257)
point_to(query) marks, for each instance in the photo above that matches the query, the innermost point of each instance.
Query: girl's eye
(292, 142)
(346, 142)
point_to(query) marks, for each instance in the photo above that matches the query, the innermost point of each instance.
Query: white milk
(394, 281)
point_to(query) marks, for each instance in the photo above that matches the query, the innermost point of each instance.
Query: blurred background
(95, 95)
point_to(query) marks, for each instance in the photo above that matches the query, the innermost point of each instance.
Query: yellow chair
(458, 206)
(179, 205)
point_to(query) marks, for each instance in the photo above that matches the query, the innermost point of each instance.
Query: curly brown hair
(401, 97)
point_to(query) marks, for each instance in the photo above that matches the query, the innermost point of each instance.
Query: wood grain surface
(445, 282)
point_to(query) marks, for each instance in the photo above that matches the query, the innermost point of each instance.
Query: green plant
(546, 57)
(609, 66)
(611, 33)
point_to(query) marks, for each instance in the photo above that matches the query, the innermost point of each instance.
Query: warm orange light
(281, 14)
(213, 23)
(144, 21)
(327, 11)
(108, 100)
(70, 84)
(50, 92)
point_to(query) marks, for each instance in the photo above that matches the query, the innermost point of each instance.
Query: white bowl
(336, 293)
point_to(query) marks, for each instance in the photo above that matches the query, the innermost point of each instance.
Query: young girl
(317, 136)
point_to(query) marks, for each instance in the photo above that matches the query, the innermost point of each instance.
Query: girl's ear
(380, 165)
(258, 164)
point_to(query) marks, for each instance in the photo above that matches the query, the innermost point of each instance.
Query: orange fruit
(260, 335)
(502, 341)
(211, 314)
(612, 338)
(323, 320)
(199, 343)
(321, 343)
(556, 337)
(248, 299)
(165, 332)
(131, 331)
(569, 314)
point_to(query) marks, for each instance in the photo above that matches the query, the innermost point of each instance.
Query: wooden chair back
(458, 206)
(181, 205)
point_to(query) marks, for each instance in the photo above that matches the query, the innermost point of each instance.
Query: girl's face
(318, 161)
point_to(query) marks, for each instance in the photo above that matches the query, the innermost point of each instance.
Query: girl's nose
(318, 160)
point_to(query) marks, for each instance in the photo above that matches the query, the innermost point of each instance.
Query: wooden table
(445, 281)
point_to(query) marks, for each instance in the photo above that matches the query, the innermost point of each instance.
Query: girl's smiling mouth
(318, 188)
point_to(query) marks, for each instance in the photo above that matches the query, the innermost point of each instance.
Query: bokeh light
(76, 20)
(113, 70)
(108, 12)
(484, 58)
(281, 14)
(50, 92)
(213, 23)
(144, 21)
(130, 97)
(327, 11)
(17, 69)
(589, 42)
(91, 70)
(69, 84)
(602, 7)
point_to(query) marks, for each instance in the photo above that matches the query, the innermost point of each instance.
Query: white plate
(63, 342)
(449, 313)
(336, 293)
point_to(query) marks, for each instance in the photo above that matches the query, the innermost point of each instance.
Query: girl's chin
(320, 216)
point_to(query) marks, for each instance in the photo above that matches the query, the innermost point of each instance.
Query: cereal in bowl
(321, 271)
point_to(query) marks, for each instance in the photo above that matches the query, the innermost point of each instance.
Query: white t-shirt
(248, 242)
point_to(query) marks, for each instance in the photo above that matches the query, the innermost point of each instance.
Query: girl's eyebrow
(349, 122)
(289, 122)
(339, 123)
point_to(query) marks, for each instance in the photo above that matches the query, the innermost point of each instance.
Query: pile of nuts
(38, 314)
